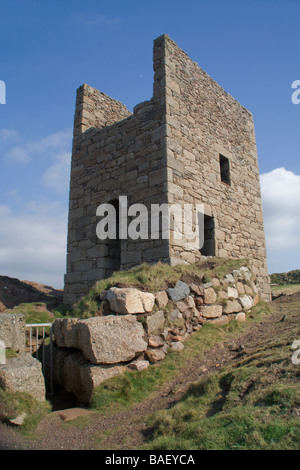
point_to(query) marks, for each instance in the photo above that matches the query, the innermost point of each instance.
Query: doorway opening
(208, 248)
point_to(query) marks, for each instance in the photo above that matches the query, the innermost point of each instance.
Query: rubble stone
(129, 300)
(179, 292)
(23, 374)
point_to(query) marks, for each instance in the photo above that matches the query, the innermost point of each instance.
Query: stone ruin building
(191, 143)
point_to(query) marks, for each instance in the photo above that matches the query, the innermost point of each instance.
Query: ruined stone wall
(95, 109)
(167, 151)
(137, 328)
(115, 153)
(204, 122)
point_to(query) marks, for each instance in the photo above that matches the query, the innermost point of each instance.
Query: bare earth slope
(13, 292)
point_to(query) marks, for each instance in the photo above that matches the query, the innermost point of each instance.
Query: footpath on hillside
(128, 430)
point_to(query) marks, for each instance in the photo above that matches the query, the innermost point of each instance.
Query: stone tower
(192, 143)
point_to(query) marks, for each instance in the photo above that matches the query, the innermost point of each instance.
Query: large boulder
(103, 340)
(23, 374)
(130, 300)
(12, 331)
(81, 378)
(66, 332)
(111, 339)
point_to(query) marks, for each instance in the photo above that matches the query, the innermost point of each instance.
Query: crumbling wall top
(96, 109)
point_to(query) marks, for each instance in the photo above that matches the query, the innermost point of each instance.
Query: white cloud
(4, 210)
(13, 193)
(57, 140)
(98, 19)
(33, 234)
(33, 244)
(281, 205)
(56, 143)
(18, 155)
(57, 175)
(7, 135)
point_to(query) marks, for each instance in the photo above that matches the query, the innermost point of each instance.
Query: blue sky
(50, 47)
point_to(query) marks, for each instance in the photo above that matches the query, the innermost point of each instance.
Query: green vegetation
(234, 410)
(10, 353)
(252, 404)
(292, 277)
(154, 278)
(37, 312)
(132, 387)
(14, 404)
(34, 312)
(286, 288)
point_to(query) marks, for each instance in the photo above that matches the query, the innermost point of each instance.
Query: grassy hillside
(252, 403)
(291, 277)
(233, 387)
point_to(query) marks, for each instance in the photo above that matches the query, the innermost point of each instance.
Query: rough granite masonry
(191, 143)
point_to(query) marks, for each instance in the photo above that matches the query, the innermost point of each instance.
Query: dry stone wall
(136, 333)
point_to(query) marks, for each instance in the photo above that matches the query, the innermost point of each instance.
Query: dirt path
(127, 430)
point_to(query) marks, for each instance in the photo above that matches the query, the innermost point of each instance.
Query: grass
(13, 404)
(37, 312)
(229, 411)
(154, 278)
(286, 288)
(252, 404)
(242, 428)
(132, 387)
(10, 353)
(123, 392)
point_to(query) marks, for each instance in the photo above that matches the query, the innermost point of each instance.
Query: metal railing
(34, 346)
